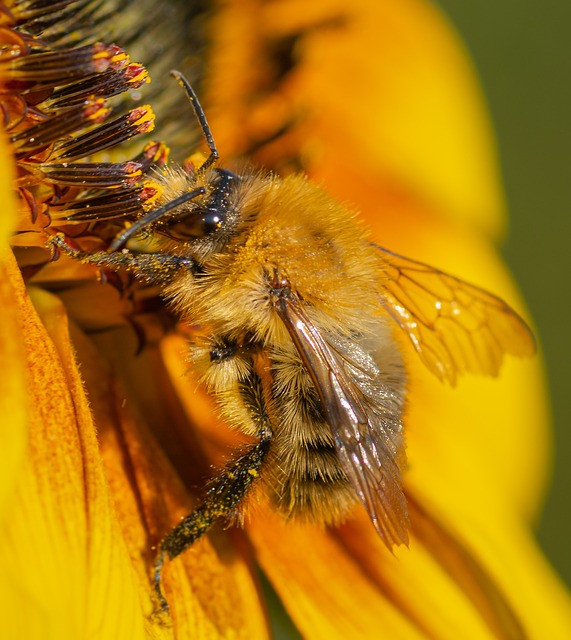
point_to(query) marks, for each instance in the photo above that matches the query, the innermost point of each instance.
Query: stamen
(94, 174)
(114, 132)
(107, 84)
(60, 67)
(118, 204)
(31, 9)
(59, 126)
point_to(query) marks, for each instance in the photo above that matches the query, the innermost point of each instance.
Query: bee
(297, 310)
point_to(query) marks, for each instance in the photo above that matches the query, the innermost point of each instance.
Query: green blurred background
(522, 50)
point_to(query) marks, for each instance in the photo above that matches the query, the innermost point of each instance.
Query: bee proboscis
(297, 309)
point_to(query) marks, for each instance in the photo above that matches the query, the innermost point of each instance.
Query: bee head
(209, 214)
(201, 216)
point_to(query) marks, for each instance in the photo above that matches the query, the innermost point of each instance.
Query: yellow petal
(65, 567)
(13, 388)
(497, 564)
(326, 593)
(383, 87)
(342, 582)
(210, 588)
(61, 533)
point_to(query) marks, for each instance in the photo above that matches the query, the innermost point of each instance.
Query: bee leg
(221, 500)
(227, 490)
(152, 267)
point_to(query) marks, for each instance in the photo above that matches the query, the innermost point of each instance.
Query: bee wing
(367, 435)
(454, 326)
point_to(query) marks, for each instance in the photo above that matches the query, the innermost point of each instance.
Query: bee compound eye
(202, 218)
(211, 221)
(196, 223)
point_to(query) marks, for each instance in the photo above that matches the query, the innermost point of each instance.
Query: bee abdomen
(312, 486)
(315, 461)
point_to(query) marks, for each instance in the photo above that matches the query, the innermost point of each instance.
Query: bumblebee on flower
(299, 319)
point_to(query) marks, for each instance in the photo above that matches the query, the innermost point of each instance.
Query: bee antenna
(153, 216)
(199, 112)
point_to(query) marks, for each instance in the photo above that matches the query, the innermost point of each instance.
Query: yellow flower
(106, 447)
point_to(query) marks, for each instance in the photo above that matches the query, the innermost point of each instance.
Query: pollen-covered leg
(226, 492)
(153, 267)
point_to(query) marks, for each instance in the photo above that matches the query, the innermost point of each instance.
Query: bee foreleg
(152, 267)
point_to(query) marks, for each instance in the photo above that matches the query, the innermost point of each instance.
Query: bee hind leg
(226, 491)
(221, 500)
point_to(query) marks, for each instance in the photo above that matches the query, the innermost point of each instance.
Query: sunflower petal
(64, 562)
(342, 583)
(485, 560)
(210, 588)
(412, 113)
(13, 390)
(380, 88)
(325, 592)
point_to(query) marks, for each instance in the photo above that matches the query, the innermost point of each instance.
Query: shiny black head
(206, 214)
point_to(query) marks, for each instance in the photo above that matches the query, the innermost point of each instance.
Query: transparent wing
(364, 416)
(454, 326)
